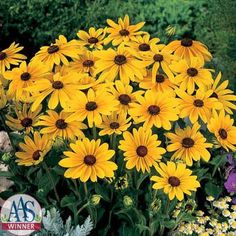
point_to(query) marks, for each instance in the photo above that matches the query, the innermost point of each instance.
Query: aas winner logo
(21, 214)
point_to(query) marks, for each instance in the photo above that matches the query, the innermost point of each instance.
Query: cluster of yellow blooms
(122, 82)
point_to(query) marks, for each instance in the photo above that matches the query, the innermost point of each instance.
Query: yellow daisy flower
(125, 95)
(190, 74)
(3, 97)
(60, 88)
(175, 180)
(55, 125)
(198, 105)
(57, 52)
(91, 106)
(141, 149)
(33, 150)
(119, 62)
(188, 48)
(10, 56)
(188, 144)
(88, 160)
(157, 109)
(94, 38)
(221, 126)
(25, 120)
(114, 124)
(23, 77)
(223, 94)
(123, 31)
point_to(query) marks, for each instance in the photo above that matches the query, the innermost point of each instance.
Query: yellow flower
(199, 105)
(57, 126)
(114, 124)
(23, 77)
(91, 106)
(141, 149)
(26, 119)
(119, 62)
(34, 150)
(61, 90)
(175, 180)
(57, 52)
(3, 97)
(190, 74)
(221, 126)
(188, 144)
(125, 95)
(223, 94)
(94, 38)
(157, 109)
(123, 31)
(188, 48)
(88, 160)
(10, 56)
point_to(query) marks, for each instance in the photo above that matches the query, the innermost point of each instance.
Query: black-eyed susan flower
(114, 124)
(190, 74)
(188, 48)
(23, 77)
(88, 160)
(223, 94)
(58, 52)
(141, 149)
(119, 62)
(93, 38)
(161, 84)
(60, 89)
(221, 125)
(25, 120)
(55, 125)
(33, 149)
(198, 105)
(175, 180)
(91, 106)
(125, 95)
(155, 109)
(188, 144)
(123, 31)
(10, 56)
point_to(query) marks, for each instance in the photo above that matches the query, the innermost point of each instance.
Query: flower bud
(95, 199)
(6, 157)
(127, 201)
(155, 206)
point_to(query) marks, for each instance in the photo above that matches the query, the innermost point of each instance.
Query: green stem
(94, 132)
(76, 189)
(51, 179)
(162, 229)
(82, 208)
(86, 190)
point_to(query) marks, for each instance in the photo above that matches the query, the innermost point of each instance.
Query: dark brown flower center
(26, 122)
(88, 63)
(91, 106)
(124, 32)
(57, 85)
(114, 125)
(214, 95)
(61, 124)
(3, 56)
(124, 99)
(158, 57)
(36, 155)
(53, 49)
(120, 60)
(223, 133)
(90, 160)
(154, 110)
(144, 47)
(141, 151)
(187, 143)
(174, 181)
(198, 103)
(192, 72)
(25, 76)
(187, 42)
(160, 78)
(92, 40)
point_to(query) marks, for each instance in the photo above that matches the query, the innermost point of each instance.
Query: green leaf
(213, 189)
(103, 191)
(5, 174)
